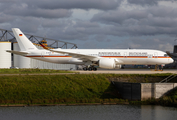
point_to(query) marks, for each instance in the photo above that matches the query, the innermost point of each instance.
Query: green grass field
(30, 71)
(63, 89)
(54, 88)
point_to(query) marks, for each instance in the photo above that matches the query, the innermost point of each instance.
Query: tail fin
(24, 43)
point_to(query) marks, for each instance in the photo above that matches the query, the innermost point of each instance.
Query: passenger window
(165, 55)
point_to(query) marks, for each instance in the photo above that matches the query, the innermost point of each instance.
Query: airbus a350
(104, 58)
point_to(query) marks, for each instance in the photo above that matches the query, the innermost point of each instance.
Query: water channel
(91, 112)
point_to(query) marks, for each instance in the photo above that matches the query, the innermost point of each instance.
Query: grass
(137, 78)
(30, 71)
(170, 99)
(55, 88)
(164, 101)
(64, 89)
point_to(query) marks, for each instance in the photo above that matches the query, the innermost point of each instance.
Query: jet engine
(118, 66)
(107, 63)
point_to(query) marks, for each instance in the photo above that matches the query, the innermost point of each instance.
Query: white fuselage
(123, 56)
(104, 58)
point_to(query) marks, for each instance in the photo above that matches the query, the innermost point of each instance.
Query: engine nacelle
(118, 66)
(107, 63)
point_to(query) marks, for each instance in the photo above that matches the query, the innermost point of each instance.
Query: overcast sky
(137, 24)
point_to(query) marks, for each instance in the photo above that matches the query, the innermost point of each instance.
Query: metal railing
(169, 78)
(7, 35)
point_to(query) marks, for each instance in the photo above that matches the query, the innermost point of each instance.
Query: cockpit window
(165, 55)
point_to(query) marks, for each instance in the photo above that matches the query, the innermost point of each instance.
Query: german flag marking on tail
(20, 35)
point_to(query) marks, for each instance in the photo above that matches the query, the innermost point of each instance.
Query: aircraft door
(42, 54)
(155, 55)
(125, 54)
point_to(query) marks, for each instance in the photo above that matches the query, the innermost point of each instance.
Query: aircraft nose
(170, 60)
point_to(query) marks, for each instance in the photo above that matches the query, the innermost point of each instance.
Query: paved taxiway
(129, 71)
(117, 71)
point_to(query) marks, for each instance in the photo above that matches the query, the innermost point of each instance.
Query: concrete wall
(147, 90)
(142, 91)
(163, 88)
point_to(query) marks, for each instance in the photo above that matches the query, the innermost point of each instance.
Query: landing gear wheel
(94, 68)
(161, 67)
(90, 69)
(85, 68)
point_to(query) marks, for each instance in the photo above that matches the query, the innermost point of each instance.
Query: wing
(80, 56)
(18, 52)
(83, 57)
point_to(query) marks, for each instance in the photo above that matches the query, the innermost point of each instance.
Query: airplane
(90, 58)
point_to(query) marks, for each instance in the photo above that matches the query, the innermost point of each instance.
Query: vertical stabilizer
(24, 43)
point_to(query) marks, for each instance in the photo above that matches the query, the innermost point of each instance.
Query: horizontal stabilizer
(17, 52)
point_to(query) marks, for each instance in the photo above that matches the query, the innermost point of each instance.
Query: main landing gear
(90, 68)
